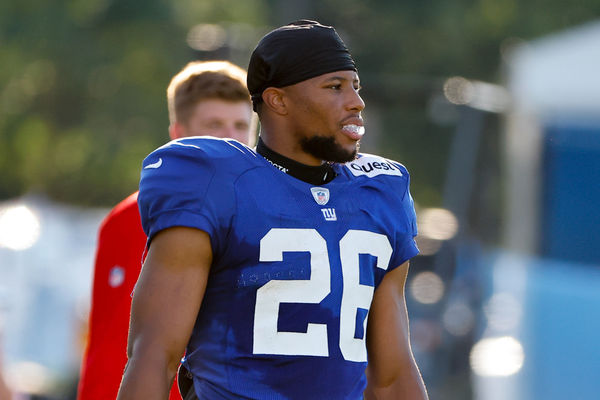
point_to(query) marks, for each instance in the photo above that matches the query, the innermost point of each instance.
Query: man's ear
(274, 98)
(176, 131)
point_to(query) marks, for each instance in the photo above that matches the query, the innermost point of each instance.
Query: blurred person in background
(205, 98)
(5, 392)
(276, 260)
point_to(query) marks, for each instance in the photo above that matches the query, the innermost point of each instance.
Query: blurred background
(493, 105)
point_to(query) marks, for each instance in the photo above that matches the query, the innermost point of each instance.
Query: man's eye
(336, 87)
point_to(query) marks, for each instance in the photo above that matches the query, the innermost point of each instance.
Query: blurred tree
(82, 90)
(82, 82)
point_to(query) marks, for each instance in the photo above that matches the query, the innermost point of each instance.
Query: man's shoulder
(208, 145)
(371, 166)
(183, 156)
(126, 210)
(126, 205)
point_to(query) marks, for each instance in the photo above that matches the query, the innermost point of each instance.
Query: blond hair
(201, 80)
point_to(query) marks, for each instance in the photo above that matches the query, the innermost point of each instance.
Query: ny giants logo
(329, 214)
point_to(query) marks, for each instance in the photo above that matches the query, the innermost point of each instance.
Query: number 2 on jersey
(268, 340)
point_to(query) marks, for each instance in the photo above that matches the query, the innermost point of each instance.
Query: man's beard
(326, 148)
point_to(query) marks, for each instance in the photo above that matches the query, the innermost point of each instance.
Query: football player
(279, 271)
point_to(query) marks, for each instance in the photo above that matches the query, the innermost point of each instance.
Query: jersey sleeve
(405, 246)
(182, 185)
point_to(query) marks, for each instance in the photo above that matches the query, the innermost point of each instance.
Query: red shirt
(121, 244)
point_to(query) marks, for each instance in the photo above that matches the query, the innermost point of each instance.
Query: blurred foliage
(82, 82)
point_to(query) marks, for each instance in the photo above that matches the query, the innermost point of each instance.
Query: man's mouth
(353, 131)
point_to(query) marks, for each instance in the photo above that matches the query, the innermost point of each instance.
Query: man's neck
(315, 175)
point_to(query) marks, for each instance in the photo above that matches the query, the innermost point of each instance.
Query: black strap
(185, 382)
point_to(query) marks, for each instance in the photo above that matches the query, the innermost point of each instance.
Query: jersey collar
(318, 175)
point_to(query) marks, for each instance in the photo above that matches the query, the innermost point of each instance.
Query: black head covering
(293, 53)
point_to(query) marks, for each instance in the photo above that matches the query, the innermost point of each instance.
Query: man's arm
(392, 372)
(5, 392)
(165, 305)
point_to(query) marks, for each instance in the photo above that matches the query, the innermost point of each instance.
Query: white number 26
(268, 340)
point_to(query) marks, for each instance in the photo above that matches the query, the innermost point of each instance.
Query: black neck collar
(319, 175)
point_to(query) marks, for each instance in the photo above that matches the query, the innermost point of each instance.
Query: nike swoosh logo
(154, 165)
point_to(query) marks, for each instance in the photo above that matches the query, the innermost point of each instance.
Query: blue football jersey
(294, 265)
